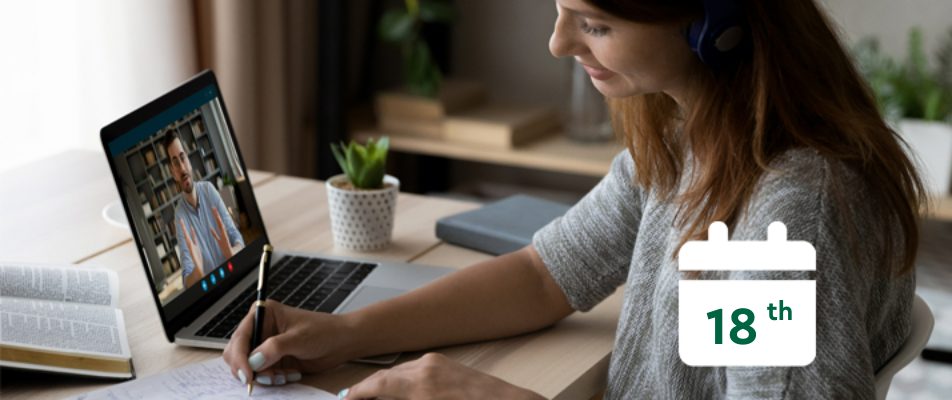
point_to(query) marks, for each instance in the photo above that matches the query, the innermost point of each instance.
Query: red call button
(230, 268)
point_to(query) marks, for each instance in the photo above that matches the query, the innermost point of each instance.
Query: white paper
(208, 380)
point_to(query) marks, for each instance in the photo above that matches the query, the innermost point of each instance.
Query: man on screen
(206, 234)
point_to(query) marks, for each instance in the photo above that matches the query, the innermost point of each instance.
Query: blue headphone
(721, 31)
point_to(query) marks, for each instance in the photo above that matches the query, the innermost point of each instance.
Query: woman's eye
(593, 30)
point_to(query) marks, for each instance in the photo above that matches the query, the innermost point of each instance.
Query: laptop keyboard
(313, 284)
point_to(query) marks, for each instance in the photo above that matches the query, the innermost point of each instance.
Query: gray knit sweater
(619, 234)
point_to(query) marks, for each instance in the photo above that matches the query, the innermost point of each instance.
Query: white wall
(890, 21)
(70, 67)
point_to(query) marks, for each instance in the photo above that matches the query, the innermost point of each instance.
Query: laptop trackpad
(367, 295)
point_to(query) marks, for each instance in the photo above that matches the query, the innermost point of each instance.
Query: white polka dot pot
(362, 219)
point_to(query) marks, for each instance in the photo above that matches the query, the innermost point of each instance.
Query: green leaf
(413, 7)
(422, 75)
(944, 69)
(396, 26)
(357, 164)
(437, 11)
(417, 57)
(371, 147)
(932, 109)
(341, 160)
(373, 174)
(365, 165)
(916, 57)
(361, 151)
(382, 146)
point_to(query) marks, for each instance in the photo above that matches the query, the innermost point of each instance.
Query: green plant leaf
(943, 72)
(423, 77)
(382, 147)
(909, 89)
(361, 151)
(417, 58)
(373, 174)
(341, 160)
(364, 165)
(413, 7)
(932, 107)
(371, 147)
(436, 11)
(356, 161)
(916, 63)
(396, 26)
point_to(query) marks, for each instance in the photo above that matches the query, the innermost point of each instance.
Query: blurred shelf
(554, 153)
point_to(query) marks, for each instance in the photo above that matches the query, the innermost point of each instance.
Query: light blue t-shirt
(203, 220)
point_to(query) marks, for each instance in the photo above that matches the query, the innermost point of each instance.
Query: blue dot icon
(213, 279)
(221, 273)
(204, 285)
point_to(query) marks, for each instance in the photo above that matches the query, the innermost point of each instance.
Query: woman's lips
(598, 73)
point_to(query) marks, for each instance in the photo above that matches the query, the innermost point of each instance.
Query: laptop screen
(187, 195)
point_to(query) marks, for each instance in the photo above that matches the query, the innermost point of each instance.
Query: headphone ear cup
(693, 34)
(721, 30)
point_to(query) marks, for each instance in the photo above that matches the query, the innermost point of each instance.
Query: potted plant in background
(402, 26)
(917, 101)
(418, 107)
(363, 199)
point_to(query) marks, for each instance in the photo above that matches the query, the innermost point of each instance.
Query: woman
(774, 126)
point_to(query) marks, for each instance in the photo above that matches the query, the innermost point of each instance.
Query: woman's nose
(563, 42)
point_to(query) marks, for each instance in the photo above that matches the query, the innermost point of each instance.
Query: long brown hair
(792, 86)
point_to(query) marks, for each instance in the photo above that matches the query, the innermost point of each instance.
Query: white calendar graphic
(747, 322)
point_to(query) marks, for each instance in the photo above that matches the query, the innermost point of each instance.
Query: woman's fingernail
(242, 377)
(263, 379)
(343, 393)
(279, 379)
(294, 376)
(256, 361)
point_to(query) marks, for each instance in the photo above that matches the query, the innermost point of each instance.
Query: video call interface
(186, 193)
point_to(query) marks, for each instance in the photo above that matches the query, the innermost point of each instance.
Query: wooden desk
(555, 153)
(569, 360)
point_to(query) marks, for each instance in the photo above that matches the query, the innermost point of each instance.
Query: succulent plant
(364, 165)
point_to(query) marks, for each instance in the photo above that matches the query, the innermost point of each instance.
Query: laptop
(199, 232)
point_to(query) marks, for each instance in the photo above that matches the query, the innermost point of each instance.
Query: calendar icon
(747, 322)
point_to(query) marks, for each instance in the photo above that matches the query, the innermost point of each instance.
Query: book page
(72, 283)
(211, 379)
(63, 327)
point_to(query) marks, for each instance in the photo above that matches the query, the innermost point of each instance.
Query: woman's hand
(297, 341)
(434, 376)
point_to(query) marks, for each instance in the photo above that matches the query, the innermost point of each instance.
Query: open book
(63, 319)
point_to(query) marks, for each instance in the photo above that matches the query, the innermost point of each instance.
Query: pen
(259, 305)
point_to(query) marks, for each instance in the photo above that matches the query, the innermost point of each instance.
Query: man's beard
(187, 189)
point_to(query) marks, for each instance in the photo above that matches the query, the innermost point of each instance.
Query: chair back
(922, 323)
